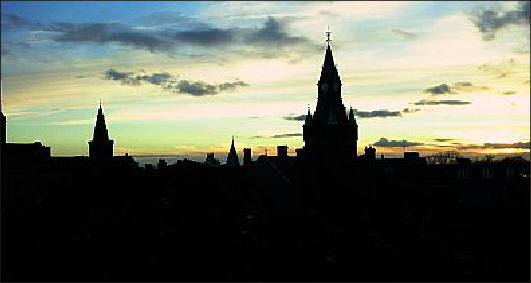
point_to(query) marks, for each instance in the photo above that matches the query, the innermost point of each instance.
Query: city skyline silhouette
(233, 142)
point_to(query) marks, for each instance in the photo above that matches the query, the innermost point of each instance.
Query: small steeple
(100, 145)
(100, 129)
(232, 158)
(308, 119)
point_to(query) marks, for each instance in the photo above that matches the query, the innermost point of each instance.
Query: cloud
(12, 21)
(523, 145)
(517, 145)
(439, 89)
(489, 21)
(509, 92)
(455, 88)
(124, 77)
(272, 33)
(110, 33)
(468, 87)
(279, 136)
(171, 83)
(443, 140)
(443, 102)
(195, 88)
(404, 34)
(286, 135)
(410, 110)
(361, 114)
(377, 113)
(383, 142)
(231, 85)
(173, 32)
(206, 37)
(295, 118)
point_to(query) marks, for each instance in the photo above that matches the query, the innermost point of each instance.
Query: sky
(182, 78)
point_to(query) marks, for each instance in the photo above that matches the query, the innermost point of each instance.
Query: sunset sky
(181, 78)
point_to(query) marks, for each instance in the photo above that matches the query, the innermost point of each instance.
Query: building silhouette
(282, 151)
(100, 146)
(19, 155)
(3, 122)
(329, 133)
(370, 153)
(232, 157)
(247, 157)
(211, 160)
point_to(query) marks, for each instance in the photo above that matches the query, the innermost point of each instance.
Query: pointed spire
(100, 110)
(329, 70)
(100, 129)
(232, 157)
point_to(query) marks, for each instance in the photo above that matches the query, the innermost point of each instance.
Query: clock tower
(330, 133)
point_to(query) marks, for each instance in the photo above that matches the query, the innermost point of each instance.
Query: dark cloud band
(383, 142)
(171, 83)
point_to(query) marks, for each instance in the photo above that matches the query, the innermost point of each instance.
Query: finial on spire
(328, 37)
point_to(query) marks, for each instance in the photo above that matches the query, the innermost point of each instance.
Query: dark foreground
(270, 221)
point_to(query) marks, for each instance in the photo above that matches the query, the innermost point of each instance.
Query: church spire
(232, 158)
(100, 145)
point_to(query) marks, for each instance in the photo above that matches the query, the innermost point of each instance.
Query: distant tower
(329, 133)
(246, 157)
(232, 158)
(370, 153)
(100, 145)
(3, 121)
(282, 151)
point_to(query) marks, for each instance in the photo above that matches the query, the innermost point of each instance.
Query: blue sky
(180, 78)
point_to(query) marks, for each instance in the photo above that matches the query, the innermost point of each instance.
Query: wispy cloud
(280, 136)
(439, 89)
(441, 102)
(295, 118)
(383, 142)
(377, 113)
(410, 110)
(443, 140)
(172, 83)
(404, 34)
(517, 145)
